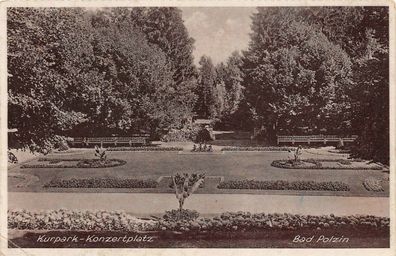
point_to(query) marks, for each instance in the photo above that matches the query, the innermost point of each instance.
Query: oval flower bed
(145, 149)
(284, 185)
(257, 149)
(372, 184)
(228, 221)
(78, 163)
(101, 183)
(341, 164)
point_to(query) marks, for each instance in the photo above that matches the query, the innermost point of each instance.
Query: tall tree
(295, 79)
(205, 106)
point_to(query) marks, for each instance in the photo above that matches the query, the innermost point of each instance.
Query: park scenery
(198, 127)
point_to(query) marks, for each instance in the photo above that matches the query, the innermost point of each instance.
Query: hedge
(101, 183)
(257, 149)
(229, 221)
(318, 164)
(81, 163)
(145, 149)
(284, 185)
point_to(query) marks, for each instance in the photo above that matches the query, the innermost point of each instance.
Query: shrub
(284, 185)
(145, 149)
(180, 215)
(101, 183)
(257, 149)
(182, 135)
(185, 185)
(372, 184)
(345, 162)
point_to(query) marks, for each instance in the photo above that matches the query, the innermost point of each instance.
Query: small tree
(185, 186)
(100, 153)
(297, 154)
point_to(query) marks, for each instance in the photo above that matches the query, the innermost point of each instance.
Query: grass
(231, 166)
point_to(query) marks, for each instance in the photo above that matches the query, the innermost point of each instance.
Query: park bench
(315, 139)
(134, 140)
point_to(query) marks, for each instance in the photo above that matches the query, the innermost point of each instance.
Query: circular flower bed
(318, 164)
(101, 183)
(80, 163)
(284, 185)
(372, 184)
(97, 163)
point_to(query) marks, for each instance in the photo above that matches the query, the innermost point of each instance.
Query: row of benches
(139, 140)
(315, 139)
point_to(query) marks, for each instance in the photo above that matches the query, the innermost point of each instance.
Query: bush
(257, 149)
(145, 149)
(81, 163)
(180, 215)
(101, 183)
(182, 135)
(372, 184)
(284, 185)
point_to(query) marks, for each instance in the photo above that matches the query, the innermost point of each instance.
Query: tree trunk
(181, 203)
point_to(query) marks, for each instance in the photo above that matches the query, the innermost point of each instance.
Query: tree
(39, 43)
(299, 79)
(206, 102)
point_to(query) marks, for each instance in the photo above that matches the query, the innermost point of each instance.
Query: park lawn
(230, 165)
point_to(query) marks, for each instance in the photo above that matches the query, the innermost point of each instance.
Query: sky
(218, 31)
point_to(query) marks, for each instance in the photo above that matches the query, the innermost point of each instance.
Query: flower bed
(76, 220)
(318, 164)
(372, 184)
(145, 149)
(257, 148)
(101, 183)
(284, 185)
(229, 221)
(81, 163)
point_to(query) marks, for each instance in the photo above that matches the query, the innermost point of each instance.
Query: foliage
(284, 185)
(185, 185)
(181, 135)
(180, 215)
(294, 76)
(205, 106)
(100, 153)
(97, 72)
(101, 183)
(12, 158)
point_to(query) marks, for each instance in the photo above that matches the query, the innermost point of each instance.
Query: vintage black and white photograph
(198, 127)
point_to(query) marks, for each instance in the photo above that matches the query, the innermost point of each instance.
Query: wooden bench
(315, 139)
(135, 140)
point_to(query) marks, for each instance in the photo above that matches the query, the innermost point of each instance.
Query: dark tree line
(316, 70)
(321, 70)
(79, 72)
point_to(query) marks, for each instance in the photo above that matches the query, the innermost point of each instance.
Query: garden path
(143, 204)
